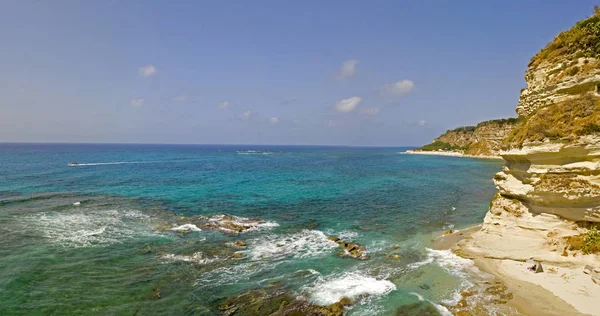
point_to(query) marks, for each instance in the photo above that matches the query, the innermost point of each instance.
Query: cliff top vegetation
(582, 40)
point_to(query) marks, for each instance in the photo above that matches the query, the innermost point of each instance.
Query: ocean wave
(306, 243)
(197, 258)
(112, 163)
(253, 152)
(89, 228)
(186, 228)
(353, 285)
(345, 234)
(452, 264)
(235, 274)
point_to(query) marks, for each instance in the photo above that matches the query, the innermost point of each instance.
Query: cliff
(548, 199)
(485, 139)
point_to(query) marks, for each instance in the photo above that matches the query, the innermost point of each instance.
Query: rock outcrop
(276, 300)
(485, 139)
(549, 189)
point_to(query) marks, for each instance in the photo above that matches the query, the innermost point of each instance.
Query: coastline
(449, 154)
(557, 291)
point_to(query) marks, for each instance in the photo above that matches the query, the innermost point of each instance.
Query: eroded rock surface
(549, 189)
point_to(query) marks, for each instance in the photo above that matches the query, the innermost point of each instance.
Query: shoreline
(557, 291)
(448, 154)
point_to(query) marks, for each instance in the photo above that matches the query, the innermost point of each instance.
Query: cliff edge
(548, 203)
(484, 140)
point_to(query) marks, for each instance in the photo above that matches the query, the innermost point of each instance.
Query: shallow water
(105, 255)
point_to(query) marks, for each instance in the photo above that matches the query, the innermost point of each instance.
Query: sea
(112, 235)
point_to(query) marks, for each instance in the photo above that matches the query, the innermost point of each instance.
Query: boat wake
(109, 163)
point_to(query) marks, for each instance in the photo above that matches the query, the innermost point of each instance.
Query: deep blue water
(376, 197)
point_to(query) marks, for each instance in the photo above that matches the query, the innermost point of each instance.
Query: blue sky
(265, 72)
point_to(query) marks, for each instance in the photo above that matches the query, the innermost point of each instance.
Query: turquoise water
(107, 254)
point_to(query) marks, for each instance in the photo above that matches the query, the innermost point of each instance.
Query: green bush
(591, 241)
(588, 129)
(582, 40)
(463, 129)
(501, 122)
(577, 116)
(439, 145)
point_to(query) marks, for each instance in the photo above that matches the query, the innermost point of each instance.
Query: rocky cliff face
(485, 139)
(549, 189)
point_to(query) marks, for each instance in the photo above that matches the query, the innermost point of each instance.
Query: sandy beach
(559, 290)
(448, 153)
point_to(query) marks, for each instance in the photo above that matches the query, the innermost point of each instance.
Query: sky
(358, 73)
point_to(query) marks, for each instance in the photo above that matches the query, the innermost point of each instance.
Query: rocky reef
(275, 299)
(485, 139)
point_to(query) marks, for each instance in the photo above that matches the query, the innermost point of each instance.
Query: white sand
(572, 285)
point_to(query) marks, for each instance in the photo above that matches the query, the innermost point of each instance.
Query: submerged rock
(419, 308)
(351, 249)
(275, 300)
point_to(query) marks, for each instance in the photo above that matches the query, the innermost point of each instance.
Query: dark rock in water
(334, 239)
(275, 300)
(240, 243)
(420, 308)
(425, 287)
(351, 249)
(311, 225)
(394, 256)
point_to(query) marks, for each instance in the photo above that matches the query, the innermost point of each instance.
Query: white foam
(112, 163)
(449, 226)
(352, 285)
(306, 243)
(419, 296)
(347, 235)
(253, 152)
(197, 257)
(443, 310)
(462, 268)
(234, 274)
(89, 228)
(186, 228)
(77, 203)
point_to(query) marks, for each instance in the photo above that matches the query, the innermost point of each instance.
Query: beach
(559, 290)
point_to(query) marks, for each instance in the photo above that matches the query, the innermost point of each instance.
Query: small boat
(73, 164)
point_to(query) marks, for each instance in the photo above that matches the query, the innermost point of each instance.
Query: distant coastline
(449, 153)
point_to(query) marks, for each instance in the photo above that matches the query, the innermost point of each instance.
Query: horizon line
(203, 144)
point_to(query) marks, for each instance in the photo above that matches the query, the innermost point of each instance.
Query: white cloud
(138, 103)
(348, 69)
(180, 98)
(246, 115)
(421, 123)
(370, 111)
(148, 70)
(223, 105)
(347, 105)
(274, 120)
(399, 88)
